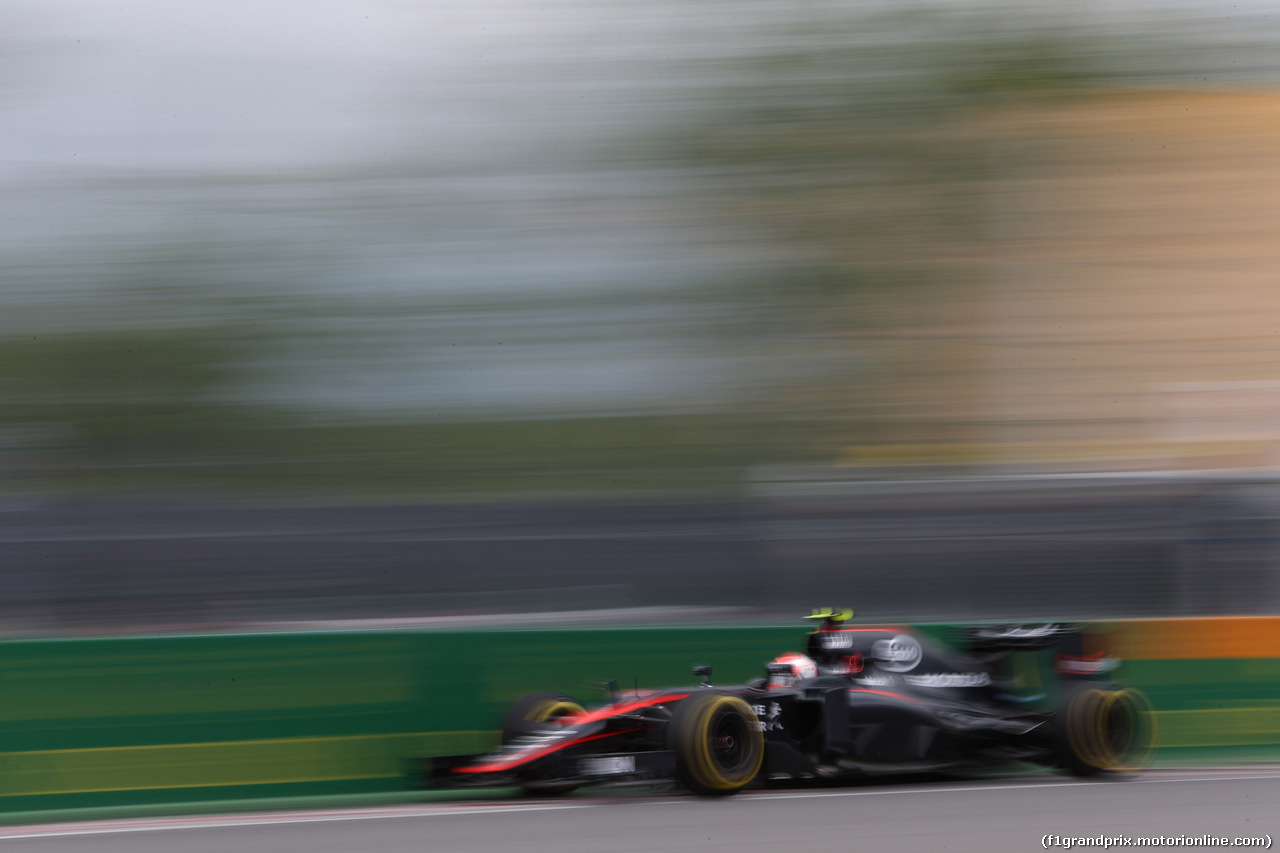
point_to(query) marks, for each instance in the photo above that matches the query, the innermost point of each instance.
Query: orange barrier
(1239, 637)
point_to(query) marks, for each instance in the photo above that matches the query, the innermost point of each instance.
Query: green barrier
(1213, 704)
(92, 723)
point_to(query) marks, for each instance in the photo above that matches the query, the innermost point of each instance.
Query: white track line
(1027, 786)
(121, 827)
(161, 824)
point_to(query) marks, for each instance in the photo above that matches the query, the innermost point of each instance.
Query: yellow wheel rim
(553, 710)
(704, 765)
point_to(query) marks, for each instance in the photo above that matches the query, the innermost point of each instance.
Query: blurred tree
(854, 146)
(119, 393)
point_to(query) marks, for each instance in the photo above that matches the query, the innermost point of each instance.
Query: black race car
(861, 701)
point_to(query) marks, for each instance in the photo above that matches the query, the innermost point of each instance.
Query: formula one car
(862, 700)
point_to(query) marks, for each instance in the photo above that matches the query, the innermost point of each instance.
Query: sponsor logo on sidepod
(949, 679)
(901, 654)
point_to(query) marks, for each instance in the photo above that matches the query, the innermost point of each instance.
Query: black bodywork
(883, 700)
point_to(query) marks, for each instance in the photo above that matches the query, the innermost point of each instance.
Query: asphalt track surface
(999, 814)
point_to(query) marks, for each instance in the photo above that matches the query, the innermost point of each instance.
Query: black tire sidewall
(690, 733)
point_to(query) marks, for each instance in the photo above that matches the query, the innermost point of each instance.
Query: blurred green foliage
(141, 410)
(857, 146)
(118, 392)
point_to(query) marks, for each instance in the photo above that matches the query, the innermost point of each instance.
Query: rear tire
(1104, 729)
(718, 743)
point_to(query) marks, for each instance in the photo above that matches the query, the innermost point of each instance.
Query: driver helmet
(789, 669)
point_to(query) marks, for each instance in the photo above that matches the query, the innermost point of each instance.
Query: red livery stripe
(516, 760)
(620, 709)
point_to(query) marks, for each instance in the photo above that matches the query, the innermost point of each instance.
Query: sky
(246, 84)
(284, 83)
(362, 151)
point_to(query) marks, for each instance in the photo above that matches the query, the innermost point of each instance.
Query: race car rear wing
(1068, 640)
(1039, 635)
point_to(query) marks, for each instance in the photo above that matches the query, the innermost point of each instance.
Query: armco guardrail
(124, 721)
(1158, 544)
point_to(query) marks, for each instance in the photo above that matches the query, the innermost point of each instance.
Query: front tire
(533, 713)
(718, 743)
(536, 713)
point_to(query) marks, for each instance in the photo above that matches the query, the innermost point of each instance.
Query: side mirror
(780, 675)
(705, 673)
